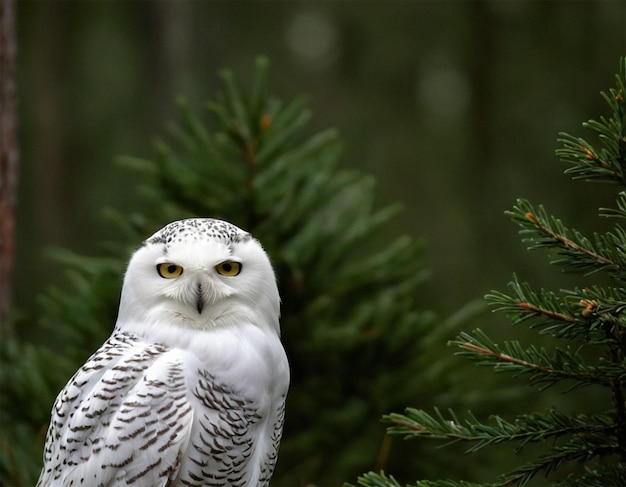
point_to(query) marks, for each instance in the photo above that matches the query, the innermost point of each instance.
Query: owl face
(200, 274)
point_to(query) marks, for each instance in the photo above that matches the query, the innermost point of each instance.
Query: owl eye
(168, 270)
(228, 268)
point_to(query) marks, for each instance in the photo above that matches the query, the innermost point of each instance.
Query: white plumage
(190, 388)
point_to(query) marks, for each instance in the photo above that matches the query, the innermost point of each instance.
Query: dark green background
(454, 107)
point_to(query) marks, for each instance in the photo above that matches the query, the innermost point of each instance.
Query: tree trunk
(8, 158)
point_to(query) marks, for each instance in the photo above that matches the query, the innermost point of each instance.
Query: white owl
(190, 388)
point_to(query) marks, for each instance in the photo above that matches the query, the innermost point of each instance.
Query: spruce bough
(589, 321)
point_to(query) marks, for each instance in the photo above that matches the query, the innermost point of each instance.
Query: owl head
(198, 274)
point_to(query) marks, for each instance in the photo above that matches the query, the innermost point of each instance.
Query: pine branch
(613, 475)
(599, 476)
(592, 315)
(609, 163)
(619, 212)
(532, 428)
(589, 437)
(547, 310)
(544, 368)
(373, 479)
(577, 449)
(574, 250)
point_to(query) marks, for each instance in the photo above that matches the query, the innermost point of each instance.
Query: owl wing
(270, 435)
(122, 419)
(267, 464)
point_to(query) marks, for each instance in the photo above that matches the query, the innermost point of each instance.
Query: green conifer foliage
(576, 449)
(356, 340)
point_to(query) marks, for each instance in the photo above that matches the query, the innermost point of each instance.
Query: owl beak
(199, 300)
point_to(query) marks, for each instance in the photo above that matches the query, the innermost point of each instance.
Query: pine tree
(589, 321)
(348, 293)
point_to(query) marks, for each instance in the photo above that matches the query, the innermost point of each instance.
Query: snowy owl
(190, 388)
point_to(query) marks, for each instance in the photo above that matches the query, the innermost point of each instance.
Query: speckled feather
(198, 229)
(178, 399)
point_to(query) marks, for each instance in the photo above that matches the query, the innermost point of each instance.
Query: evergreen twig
(574, 250)
(535, 427)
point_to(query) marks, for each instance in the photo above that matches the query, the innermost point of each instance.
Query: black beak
(199, 301)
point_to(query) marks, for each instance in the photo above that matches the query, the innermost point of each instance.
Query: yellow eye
(228, 268)
(168, 270)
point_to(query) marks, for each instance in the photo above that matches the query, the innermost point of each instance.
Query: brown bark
(8, 157)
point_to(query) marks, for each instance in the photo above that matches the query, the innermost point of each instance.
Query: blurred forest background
(453, 106)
